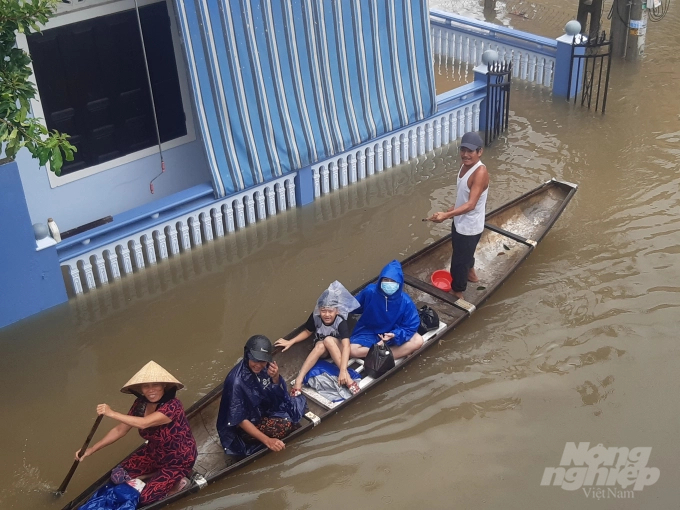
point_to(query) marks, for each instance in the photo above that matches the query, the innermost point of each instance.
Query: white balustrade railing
(395, 148)
(459, 39)
(178, 234)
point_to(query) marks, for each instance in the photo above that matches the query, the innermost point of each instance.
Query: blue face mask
(389, 288)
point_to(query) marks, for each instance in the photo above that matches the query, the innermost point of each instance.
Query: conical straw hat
(152, 372)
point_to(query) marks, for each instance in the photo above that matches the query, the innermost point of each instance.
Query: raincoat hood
(381, 313)
(393, 271)
(338, 297)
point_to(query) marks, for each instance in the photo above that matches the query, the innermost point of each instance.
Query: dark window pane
(93, 84)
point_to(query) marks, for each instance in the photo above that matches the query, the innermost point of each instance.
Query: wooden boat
(511, 234)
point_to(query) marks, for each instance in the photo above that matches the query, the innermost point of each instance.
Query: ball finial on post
(572, 28)
(40, 231)
(489, 57)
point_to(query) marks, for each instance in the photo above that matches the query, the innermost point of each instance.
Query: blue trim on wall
(31, 280)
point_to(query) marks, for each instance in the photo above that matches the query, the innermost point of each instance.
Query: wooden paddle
(62, 487)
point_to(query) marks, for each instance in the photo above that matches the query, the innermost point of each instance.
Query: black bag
(378, 360)
(429, 320)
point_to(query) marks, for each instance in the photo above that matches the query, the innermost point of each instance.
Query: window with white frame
(93, 84)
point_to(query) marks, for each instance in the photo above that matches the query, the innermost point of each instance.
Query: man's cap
(472, 141)
(260, 348)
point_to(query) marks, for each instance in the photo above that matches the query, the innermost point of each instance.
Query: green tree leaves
(17, 127)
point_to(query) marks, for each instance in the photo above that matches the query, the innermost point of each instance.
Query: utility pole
(629, 28)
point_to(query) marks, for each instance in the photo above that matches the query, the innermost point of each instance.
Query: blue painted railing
(464, 40)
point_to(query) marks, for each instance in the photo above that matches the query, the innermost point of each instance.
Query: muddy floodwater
(580, 345)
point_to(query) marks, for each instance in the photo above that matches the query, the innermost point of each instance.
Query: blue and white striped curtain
(281, 84)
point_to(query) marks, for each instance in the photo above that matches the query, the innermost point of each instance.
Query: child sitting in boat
(387, 315)
(256, 408)
(328, 323)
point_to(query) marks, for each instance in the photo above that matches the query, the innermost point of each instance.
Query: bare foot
(472, 275)
(459, 295)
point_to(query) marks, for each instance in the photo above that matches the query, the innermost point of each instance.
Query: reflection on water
(579, 345)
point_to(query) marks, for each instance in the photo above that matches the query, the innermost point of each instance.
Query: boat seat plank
(439, 294)
(514, 237)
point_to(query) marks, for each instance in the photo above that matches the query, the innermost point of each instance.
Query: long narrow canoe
(512, 232)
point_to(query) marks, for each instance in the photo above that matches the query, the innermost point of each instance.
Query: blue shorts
(368, 339)
(365, 339)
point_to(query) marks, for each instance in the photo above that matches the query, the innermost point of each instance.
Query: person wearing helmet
(170, 452)
(328, 323)
(256, 409)
(468, 212)
(387, 315)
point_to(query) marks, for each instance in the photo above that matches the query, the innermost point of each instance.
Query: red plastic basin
(441, 279)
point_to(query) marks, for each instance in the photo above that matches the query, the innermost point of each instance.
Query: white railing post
(379, 158)
(184, 236)
(75, 278)
(174, 243)
(335, 181)
(325, 182)
(206, 223)
(149, 249)
(344, 180)
(261, 207)
(195, 227)
(240, 217)
(271, 201)
(137, 254)
(352, 168)
(228, 210)
(370, 161)
(396, 147)
(281, 195)
(161, 241)
(250, 209)
(89, 276)
(290, 193)
(125, 259)
(112, 260)
(362, 166)
(101, 269)
(388, 153)
(216, 214)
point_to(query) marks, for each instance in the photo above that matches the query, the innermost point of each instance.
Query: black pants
(462, 258)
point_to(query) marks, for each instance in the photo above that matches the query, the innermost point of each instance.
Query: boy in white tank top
(468, 212)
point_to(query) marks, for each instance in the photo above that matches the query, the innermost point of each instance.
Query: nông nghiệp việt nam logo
(614, 472)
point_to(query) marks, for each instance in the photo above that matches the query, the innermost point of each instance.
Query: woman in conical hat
(170, 451)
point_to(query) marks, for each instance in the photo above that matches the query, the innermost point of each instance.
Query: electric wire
(153, 103)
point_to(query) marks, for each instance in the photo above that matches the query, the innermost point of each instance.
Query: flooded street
(580, 344)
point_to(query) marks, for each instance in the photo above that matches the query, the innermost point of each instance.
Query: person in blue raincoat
(387, 315)
(256, 409)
